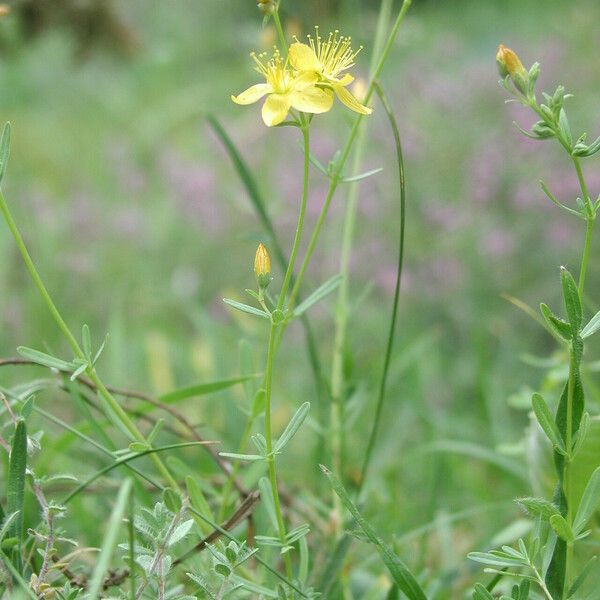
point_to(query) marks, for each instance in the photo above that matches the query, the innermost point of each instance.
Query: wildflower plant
(549, 559)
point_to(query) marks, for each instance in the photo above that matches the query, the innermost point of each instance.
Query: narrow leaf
(201, 389)
(246, 308)
(592, 326)
(547, 423)
(41, 358)
(560, 327)
(589, 502)
(15, 487)
(236, 456)
(293, 426)
(4, 150)
(572, 300)
(318, 294)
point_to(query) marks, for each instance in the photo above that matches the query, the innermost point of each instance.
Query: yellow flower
(328, 59)
(284, 90)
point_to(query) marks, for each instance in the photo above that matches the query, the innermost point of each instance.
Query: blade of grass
(394, 316)
(110, 540)
(15, 490)
(398, 570)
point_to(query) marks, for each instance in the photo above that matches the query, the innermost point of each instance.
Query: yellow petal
(347, 79)
(312, 100)
(252, 94)
(275, 109)
(303, 58)
(304, 80)
(350, 101)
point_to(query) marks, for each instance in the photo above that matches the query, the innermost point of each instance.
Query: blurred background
(140, 226)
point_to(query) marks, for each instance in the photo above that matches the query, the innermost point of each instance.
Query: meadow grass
(195, 443)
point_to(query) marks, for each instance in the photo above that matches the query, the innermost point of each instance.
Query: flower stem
(109, 399)
(279, 28)
(274, 335)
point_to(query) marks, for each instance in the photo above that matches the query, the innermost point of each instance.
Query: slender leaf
(400, 573)
(582, 576)
(4, 150)
(572, 300)
(246, 308)
(329, 286)
(292, 427)
(15, 487)
(547, 423)
(592, 326)
(202, 389)
(560, 327)
(110, 540)
(41, 358)
(399, 268)
(589, 502)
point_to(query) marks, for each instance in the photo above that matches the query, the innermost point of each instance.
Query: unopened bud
(262, 266)
(267, 7)
(509, 64)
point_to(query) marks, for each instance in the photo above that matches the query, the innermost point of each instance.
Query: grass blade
(394, 316)
(110, 539)
(201, 389)
(400, 573)
(15, 492)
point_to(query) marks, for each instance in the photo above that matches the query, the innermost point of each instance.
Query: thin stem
(111, 402)
(279, 28)
(273, 345)
(269, 442)
(586, 253)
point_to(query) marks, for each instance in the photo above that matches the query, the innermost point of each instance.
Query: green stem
(111, 402)
(273, 345)
(279, 28)
(336, 175)
(586, 253)
(342, 306)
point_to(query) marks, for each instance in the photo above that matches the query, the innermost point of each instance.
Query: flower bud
(266, 7)
(262, 266)
(509, 64)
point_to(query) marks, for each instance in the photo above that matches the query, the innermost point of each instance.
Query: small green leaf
(245, 308)
(589, 502)
(44, 359)
(138, 447)
(592, 326)
(547, 423)
(199, 502)
(258, 404)
(318, 294)
(361, 176)
(4, 150)
(27, 407)
(560, 327)
(572, 300)
(236, 456)
(562, 528)
(565, 128)
(293, 426)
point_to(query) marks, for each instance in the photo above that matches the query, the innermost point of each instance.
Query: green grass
(139, 225)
